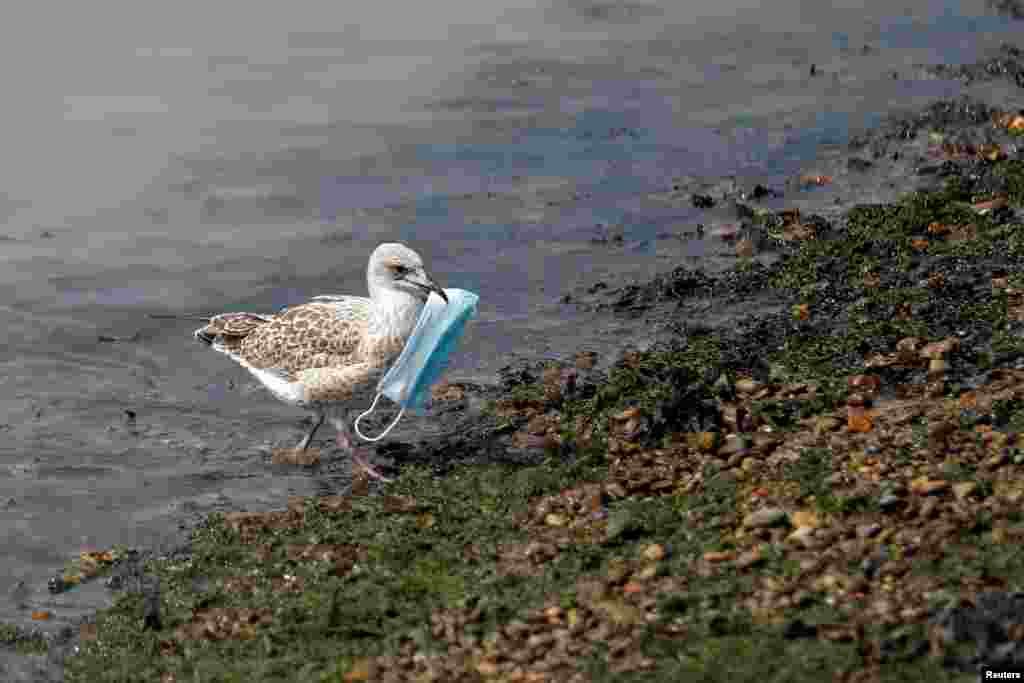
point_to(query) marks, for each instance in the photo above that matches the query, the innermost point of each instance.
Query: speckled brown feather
(312, 335)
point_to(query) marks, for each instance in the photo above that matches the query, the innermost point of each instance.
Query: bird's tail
(230, 328)
(224, 329)
(227, 328)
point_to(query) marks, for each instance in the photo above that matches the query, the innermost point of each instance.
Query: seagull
(328, 354)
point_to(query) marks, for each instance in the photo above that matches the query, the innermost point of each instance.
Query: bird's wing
(311, 335)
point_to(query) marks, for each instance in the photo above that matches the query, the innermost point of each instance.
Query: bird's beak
(423, 280)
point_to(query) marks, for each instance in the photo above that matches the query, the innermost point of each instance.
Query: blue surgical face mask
(424, 357)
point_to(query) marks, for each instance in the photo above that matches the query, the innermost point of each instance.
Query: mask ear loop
(370, 410)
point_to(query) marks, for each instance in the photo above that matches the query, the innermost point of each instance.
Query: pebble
(803, 536)
(929, 487)
(964, 489)
(868, 530)
(851, 547)
(764, 518)
(884, 608)
(805, 518)
(997, 460)
(889, 502)
(615, 490)
(647, 573)
(719, 556)
(654, 552)
(870, 567)
(809, 564)
(823, 425)
(555, 519)
(747, 386)
(749, 558)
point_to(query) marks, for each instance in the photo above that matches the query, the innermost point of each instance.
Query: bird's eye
(401, 270)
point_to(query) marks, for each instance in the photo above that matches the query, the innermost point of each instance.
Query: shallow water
(254, 158)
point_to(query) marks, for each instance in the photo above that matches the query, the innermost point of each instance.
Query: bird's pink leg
(358, 455)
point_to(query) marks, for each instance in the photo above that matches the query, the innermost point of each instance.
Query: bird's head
(396, 267)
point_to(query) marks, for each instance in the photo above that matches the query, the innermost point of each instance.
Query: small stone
(733, 445)
(929, 487)
(830, 582)
(859, 584)
(553, 615)
(719, 556)
(615, 490)
(750, 558)
(805, 518)
(886, 535)
(747, 386)
(998, 460)
(964, 489)
(852, 547)
(555, 519)
(889, 502)
(884, 607)
(928, 508)
(824, 425)
(586, 360)
(868, 530)
(647, 573)
(654, 552)
(803, 536)
(539, 639)
(764, 518)
(939, 349)
(487, 668)
(908, 345)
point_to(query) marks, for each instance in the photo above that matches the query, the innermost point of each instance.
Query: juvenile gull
(327, 355)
